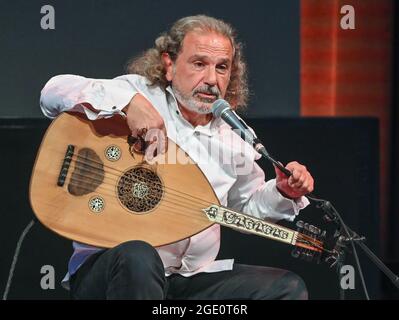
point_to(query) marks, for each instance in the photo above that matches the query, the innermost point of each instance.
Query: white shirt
(239, 184)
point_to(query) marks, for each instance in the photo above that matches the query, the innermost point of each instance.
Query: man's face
(201, 72)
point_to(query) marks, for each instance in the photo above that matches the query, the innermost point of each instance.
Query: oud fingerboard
(249, 224)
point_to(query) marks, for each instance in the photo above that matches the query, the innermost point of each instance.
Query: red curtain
(348, 72)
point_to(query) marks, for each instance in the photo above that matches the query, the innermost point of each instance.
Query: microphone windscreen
(219, 106)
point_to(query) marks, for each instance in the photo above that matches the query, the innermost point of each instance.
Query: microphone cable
(16, 255)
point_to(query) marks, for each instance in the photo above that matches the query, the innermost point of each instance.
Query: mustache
(212, 90)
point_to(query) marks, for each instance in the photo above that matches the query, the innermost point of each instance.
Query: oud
(90, 185)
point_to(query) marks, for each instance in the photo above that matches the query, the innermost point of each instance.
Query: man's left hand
(298, 184)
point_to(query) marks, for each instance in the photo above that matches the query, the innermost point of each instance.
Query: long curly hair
(150, 65)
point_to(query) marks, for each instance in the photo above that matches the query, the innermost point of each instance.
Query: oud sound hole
(88, 173)
(140, 190)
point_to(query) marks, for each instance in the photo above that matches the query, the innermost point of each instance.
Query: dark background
(95, 38)
(343, 160)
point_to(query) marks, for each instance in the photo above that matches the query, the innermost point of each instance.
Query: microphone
(222, 109)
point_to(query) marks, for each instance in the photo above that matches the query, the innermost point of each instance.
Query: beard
(195, 102)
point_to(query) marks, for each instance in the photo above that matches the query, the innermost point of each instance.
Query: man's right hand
(145, 121)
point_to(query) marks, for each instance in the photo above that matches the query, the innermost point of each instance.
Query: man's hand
(144, 121)
(298, 184)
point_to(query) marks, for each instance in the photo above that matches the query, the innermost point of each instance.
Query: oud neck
(248, 224)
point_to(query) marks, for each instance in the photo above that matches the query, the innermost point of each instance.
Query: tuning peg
(315, 231)
(296, 252)
(312, 229)
(300, 224)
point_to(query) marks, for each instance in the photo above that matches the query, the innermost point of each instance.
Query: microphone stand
(353, 237)
(343, 234)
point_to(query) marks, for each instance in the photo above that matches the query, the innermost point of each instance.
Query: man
(172, 89)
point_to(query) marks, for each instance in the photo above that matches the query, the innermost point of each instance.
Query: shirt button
(196, 133)
(177, 112)
(114, 107)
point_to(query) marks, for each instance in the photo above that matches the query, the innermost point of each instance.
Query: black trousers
(134, 270)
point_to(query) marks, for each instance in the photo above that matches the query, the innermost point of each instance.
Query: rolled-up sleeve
(252, 195)
(97, 98)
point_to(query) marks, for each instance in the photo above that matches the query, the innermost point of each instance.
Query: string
(89, 162)
(111, 191)
(313, 243)
(198, 200)
(141, 179)
(184, 213)
(310, 241)
(306, 239)
(120, 172)
(186, 206)
(309, 238)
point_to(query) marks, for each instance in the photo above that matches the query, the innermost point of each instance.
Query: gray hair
(150, 64)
